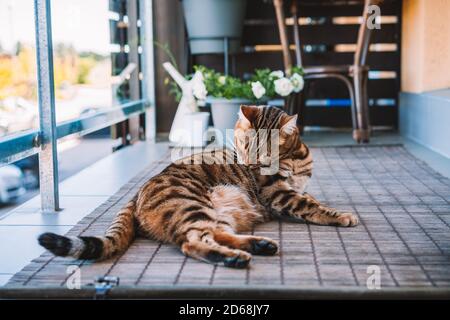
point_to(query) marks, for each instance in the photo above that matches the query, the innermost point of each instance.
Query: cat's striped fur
(203, 207)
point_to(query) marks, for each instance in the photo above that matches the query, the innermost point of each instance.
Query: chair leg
(295, 104)
(279, 11)
(362, 132)
(289, 104)
(301, 109)
(293, 108)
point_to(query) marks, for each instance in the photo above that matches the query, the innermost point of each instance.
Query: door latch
(103, 284)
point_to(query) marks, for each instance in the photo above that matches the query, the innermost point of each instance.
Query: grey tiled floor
(403, 205)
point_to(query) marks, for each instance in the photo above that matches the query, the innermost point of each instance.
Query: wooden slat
(341, 117)
(320, 89)
(389, 8)
(247, 62)
(259, 30)
(264, 10)
(376, 60)
(317, 34)
(169, 29)
(335, 89)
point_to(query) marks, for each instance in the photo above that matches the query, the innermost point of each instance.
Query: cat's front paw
(264, 247)
(347, 219)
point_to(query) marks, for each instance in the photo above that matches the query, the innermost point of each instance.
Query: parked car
(17, 114)
(11, 183)
(30, 171)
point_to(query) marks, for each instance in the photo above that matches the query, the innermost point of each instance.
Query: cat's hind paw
(347, 219)
(239, 261)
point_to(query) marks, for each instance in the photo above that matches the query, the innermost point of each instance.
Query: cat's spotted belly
(298, 183)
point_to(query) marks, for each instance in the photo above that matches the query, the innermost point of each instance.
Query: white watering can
(189, 125)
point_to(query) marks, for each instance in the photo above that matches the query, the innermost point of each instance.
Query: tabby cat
(203, 207)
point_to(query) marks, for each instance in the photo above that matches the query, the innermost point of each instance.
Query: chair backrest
(365, 31)
(364, 34)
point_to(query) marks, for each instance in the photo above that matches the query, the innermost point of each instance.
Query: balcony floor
(404, 209)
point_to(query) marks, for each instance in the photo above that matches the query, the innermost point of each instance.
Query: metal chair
(354, 76)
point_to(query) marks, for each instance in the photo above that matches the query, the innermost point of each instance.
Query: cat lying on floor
(203, 207)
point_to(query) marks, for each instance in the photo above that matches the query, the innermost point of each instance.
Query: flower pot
(225, 113)
(193, 130)
(208, 21)
(197, 125)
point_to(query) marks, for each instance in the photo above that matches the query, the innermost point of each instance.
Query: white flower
(258, 89)
(222, 80)
(297, 82)
(199, 90)
(198, 76)
(277, 74)
(283, 87)
(198, 86)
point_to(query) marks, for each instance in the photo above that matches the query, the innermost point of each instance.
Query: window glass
(81, 54)
(18, 95)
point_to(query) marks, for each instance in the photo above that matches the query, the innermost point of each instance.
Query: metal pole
(298, 48)
(279, 11)
(226, 43)
(48, 157)
(133, 57)
(148, 66)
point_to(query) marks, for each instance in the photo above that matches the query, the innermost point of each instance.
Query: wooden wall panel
(326, 39)
(168, 29)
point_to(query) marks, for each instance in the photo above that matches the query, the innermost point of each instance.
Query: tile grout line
(178, 276)
(247, 270)
(398, 234)
(37, 271)
(80, 264)
(319, 277)
(211, 279)
(425, 166)
(424, 204)
(361, 219)
(280, 254)
(147, 264)
(340, 236)
(339, 175)
(408, 213)
(135, 182)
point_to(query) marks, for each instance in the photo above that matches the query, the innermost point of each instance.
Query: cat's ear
(289, 125)
(247, 114)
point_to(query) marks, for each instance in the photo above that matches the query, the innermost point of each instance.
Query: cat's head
(258, 128)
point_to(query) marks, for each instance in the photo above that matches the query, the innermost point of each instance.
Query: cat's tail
(117, 238)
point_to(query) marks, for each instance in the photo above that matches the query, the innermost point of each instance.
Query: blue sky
(83, 23)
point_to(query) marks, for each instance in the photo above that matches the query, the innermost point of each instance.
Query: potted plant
(208, 22)
(226, 94)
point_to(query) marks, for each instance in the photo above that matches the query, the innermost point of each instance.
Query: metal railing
(43, 141)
